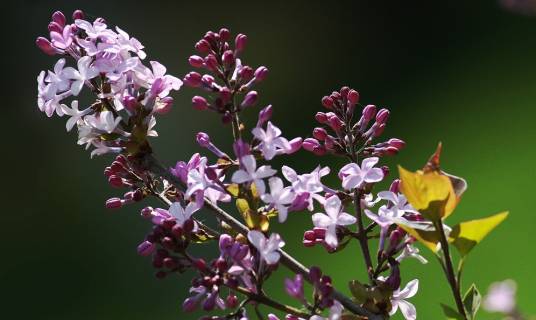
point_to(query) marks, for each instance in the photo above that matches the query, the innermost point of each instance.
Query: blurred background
(460, 72)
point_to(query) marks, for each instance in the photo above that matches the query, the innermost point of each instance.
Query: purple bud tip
(228, 58)
(240, 42)
(320, 133)
(146, 212)
(202, 46)
(295, 145)
(261, 73)
(265, 115)
(250, 99)
(59, 18)
(113, 203)
(146, 248)
(369, 112)
(396, 143)
(353, 97)
(246, 73)
(224, 34)
(395, 186)
(189, 305)
(382, 116)
(327, 102)
(203, 139)
(46, 46)
(231, 301)
(196, 61)
(78, 14)
(193, 79)
(321, 117)
(199, 103)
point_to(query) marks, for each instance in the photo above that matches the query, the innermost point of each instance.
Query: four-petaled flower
(399, 300)
(85, 72)
(75, 114)
(331, 219)
(103, 121)
(250, 173)
(280, 197)
(353, 175)
(182, 214)
(267, 248)
(270, 139)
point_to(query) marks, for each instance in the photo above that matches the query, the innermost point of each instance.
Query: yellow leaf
(233, 189)
(431, 193)
(429, 239)
(253, 219)
(464, 236)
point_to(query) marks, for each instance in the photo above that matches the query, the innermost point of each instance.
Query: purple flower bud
(264, 115)
(382, 116)
(203, 139)
(147, 212)
(196, 61)
(310, 144)
(55, 27)
(199, 103)
(176, 230)
(250, 99)
(395, 237)
(295, 145)
(146, 248)
(396, 143)
(320, 133)
(225, 94)
(353, 97)
(59, 18)
(335, 123)
(261, 73)
(315, 274)
(78, 14)
(393, 281)
(321, 117)
(395, 186)
(115, 181)
(225, 241)
(211, 62)
(170, 263)
(385, 170)
(224, 34)
(164, 106)
(113, 203)
(241, 148)
(202, 46)
(309, 235)
(228, 58)
(379, 130)
(240, 42)
(192, 79)
(190, 304)
(46, 46)
(327, 102)
(369, 112)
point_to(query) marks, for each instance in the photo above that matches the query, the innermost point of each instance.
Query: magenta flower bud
(115, 181)
(335, 123)
(188, 225)
(264, 115)
(224, 34)
(294, 287)
(396, 143)
(309, 235)
(196, 61)
(200, 264)
(295, 145)
(335, 96)
(320, 233)
(137, 195)
(100, 20)
(225, 94)
(45, 46)
(369, 112)
(164, 105)
(231, 301)
(327, 102)
(246, 73)
(192, 79)
(353, 97)
(55, 27)
(114, 203)
(308, 243)
(395, 237)
(241, 148)
(379, 130)
(78, 14)
(344, 92)
(320, 133)
(261, 73)
(211, 36)
(203, 139)
(146, 248)
(176, 230)
(199, 103)
(310, 144)
(228, 58)
(59, 18)
(170, 263)
(211, 62)
(146, 212)
(395, 186)
(321, 117)
(202, 46)
(190, 304)
(390, 151)
(240, 42)
(207, 80)
(385, 170)
(250, 99)
(329, 142)
(382, 116)
(315, 274)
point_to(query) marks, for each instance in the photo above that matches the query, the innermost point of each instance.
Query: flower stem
(363, 241)
(449, 270)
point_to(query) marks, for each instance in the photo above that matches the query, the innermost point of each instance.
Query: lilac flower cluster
(130, 94)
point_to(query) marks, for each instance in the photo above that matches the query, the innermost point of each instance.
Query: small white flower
(271, 142)
(279, 197)
(96, 30)
(501, 297)
(182, 214)
(103, 121)
(353, 176)
(57, 78)
(411, 251)
(84, 73)
(267, 248)
(250, 173)
(308, 183)
(399, 300)
(331, 219)
(75, 114)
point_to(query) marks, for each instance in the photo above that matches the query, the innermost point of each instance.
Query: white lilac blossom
(268, 248)
(331, 219)
(307, 184)
(353, 175)
(84, 73)
(74, 114)
(411, 251)
(501, 297)
(181, 214)
(280, 197)
(250, 173)
(399, 298)
(271, 141)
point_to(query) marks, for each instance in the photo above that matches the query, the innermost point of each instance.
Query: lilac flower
(335, 312)
(308, 185)
(75, 114)
(182, 214)
(331, 219)
(294, 287)
(397, 202)
(399, 300)
(96, 30)
(47, 100)
(250, 173)
(104, 121)
(161, 84)
(62, 40)
(268, 248)
(271, 142)
(84, 73)
(353, 176)
(279, 196)
(411, 251)
(501, 297)
(57, 78)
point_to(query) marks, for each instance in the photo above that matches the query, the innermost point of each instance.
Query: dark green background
(461, 72)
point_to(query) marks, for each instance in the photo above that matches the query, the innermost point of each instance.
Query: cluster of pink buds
(227, 77)
(347, 136)
(122, 174)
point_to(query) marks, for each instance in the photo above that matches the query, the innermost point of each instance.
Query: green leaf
(466, 235)
(359, 291)
(472, 300)
(450, 313)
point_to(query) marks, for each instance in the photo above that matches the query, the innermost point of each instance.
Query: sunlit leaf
(471, 301)
(233, 189)
(464, 236)
(429, 239)
(431, 193)
(253, 219)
